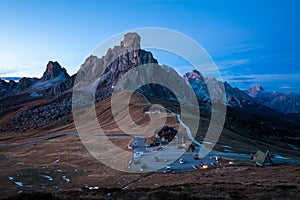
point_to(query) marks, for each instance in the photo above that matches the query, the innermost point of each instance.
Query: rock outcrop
(4, 87)
(196, 80)
(12, 88)
(54, 70)
(25, 83)
(117, 61)
(39, 116)
(54, 81)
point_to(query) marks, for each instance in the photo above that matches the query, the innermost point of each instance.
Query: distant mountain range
(283, 102)
(56, 80)
(7, 79)
(255, 110)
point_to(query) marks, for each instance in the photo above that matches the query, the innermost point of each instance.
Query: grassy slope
(31, 162)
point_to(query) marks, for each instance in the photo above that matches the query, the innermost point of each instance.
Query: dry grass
(68, 154)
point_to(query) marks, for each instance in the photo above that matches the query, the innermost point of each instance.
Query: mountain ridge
(55, 89)
(283, 102)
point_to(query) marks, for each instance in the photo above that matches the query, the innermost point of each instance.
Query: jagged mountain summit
(54, 81)
(253, 91)
(251, 99)
(54, 70)
(107, 70)
(111, 72)
(118, 61)
(234, 97)
(196, 80)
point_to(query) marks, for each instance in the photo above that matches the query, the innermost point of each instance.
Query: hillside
(72, 136)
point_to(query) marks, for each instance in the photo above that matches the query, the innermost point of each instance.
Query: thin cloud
(238, 48)
(4, 72)
(245, 48)
(231, 63)
(286, 87)
(271, 82)
(19, 73)
(263, 77)
(242, 78)
(206, 69)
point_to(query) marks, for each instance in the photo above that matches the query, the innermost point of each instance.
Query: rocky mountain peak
(253, 91)
(115, 63)
(256, 88)
(54, 70)
(196, 80)
(195, 75)
(131, 40)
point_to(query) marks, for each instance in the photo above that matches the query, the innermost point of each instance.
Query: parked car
(181, 161)
(138, 154)
(195, 157)
(168, 169)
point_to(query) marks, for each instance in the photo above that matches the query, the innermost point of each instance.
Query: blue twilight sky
(251, 42)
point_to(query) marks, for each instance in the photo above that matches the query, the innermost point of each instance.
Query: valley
(89, 138)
